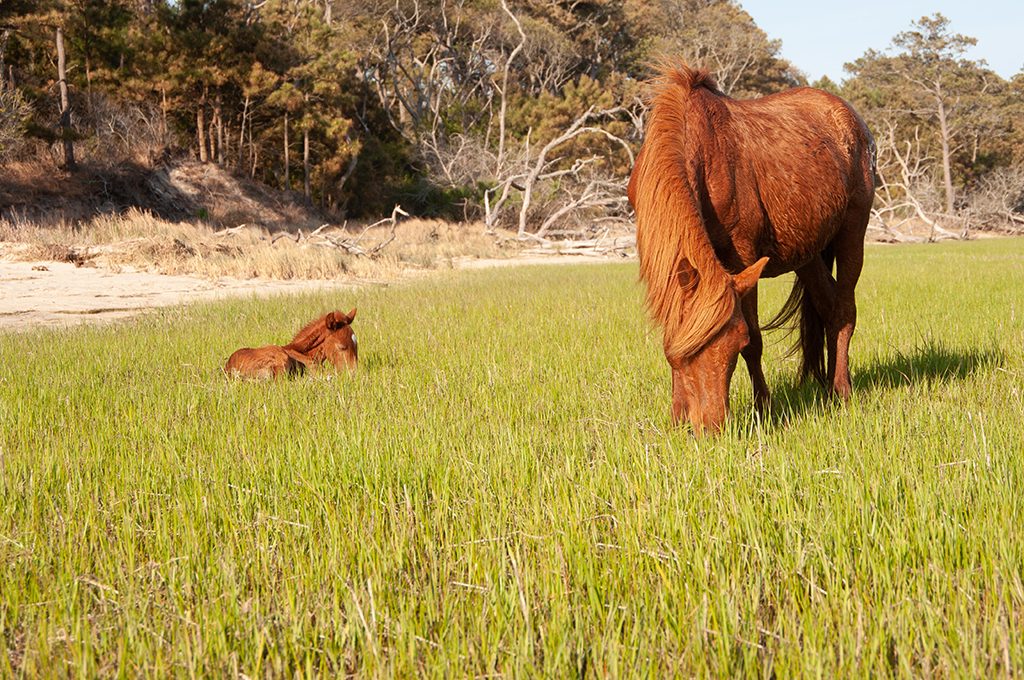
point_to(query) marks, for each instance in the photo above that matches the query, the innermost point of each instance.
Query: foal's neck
(310, 337)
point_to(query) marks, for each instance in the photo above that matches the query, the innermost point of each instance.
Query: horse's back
(802, 171)
(804, 131)
(264, 362)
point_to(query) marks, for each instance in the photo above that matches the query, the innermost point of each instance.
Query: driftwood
(886, 235)
(353, 245)
(321, 237)
(231, 231)
(602, 246)
(297, 237)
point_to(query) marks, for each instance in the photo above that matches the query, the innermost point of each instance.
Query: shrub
(14, 112)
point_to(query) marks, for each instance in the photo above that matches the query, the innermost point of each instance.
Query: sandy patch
(60, 294)
(34, 294)
(522, 260)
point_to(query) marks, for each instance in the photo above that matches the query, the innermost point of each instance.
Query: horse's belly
(796, 244)
(802, 220)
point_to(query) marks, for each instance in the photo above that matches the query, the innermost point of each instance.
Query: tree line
(523, 114)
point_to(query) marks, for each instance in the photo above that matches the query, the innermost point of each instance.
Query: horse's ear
(686, 274)
(747, 279)
(352, 315)
(335, 320)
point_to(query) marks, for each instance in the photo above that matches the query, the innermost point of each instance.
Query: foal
(329, 338)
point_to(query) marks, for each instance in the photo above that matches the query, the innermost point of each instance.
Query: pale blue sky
(819, 37)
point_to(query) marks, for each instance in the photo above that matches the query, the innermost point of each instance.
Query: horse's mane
(310, 336)
(675, 72)
(688, 290)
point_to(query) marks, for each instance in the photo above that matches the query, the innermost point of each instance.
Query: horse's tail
(811, 343)
(688, 290)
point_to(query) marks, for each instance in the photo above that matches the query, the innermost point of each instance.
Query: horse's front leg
(752, 352)
(679, 401)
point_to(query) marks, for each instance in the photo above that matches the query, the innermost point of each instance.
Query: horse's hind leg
(752, 352)
(849, 250)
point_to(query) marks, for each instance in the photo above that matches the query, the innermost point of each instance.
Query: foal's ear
(336, 320)
(747, 279)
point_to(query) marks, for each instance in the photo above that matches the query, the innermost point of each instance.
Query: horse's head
(700, 381)
(340, 347)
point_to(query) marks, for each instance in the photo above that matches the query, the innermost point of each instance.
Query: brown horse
(726, 191)
(327, 339)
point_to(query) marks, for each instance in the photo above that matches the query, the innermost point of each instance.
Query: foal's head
(700, 381)
(328, 338)
(339, 347)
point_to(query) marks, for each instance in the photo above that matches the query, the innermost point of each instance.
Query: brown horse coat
(721, 183)
(266, 362)
(327, 339)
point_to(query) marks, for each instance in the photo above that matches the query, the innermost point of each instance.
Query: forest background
(520, 114)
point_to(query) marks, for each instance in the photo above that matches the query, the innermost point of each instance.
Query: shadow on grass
(928, 363)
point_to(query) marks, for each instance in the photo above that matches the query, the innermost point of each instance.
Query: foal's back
(265, 362)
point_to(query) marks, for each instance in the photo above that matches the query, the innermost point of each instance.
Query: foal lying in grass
(327, 339)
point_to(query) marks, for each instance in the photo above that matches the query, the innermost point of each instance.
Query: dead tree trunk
(4, 36)
(201, 127)
(348, 171)
(255, 155)
(504, 87)
(287, 178)
(241, 133)
(944, 135)
(65, 104)
(305, 163)
(253, 152)
(163, 114)
(220, 130)
(211, 132)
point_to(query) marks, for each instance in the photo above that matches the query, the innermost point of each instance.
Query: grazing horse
(726, 191)
(327, 339)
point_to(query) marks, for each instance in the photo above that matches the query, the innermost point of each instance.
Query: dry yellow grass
(139, 240)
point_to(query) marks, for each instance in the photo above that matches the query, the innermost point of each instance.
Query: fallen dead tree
(355, 245)
(998, 201)
(602, 246)
(905, 193)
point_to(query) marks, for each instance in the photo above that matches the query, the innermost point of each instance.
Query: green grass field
(498, 492)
